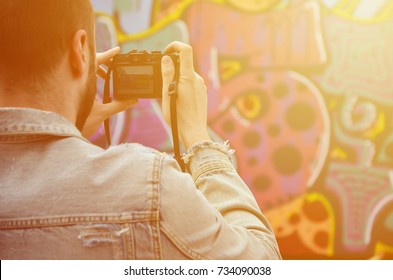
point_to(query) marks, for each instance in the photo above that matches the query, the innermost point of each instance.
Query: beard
(87, 96)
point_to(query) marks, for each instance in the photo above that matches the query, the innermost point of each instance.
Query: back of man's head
(35, 35)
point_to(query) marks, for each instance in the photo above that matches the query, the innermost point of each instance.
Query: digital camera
(137, 74)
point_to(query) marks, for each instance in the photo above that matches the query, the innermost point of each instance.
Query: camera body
(137, 74)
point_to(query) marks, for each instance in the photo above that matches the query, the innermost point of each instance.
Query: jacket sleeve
(211, 213)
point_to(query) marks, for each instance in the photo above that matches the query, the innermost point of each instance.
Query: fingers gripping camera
(137, 74)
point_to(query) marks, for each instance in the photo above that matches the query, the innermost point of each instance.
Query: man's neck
(45, 98)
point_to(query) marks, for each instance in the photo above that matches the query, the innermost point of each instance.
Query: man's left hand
(100, 112)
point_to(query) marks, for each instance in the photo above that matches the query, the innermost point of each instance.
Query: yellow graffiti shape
(253, 5)
(378, 128)
(292, 218)
(367, 11)
(338, 154)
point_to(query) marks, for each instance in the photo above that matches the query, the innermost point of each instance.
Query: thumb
(168, 74)
(117, 106)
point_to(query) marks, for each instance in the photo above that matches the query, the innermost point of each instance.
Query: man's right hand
(192, 96)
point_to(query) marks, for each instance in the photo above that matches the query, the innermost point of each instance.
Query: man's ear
(79, 51)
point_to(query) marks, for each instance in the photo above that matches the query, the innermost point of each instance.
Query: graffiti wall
(302, 89)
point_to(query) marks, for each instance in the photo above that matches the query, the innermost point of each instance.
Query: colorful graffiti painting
(302, 89)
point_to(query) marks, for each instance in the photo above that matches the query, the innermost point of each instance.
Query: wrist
(194, 137)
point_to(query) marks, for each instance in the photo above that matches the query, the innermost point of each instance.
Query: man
(63, 198)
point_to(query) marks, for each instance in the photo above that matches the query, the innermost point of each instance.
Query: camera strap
(172, 91)
(107, 99)
(173, 94)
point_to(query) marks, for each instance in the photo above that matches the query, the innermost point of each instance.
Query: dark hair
(35, 34)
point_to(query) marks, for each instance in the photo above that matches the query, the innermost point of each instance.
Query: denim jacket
(62, 197)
